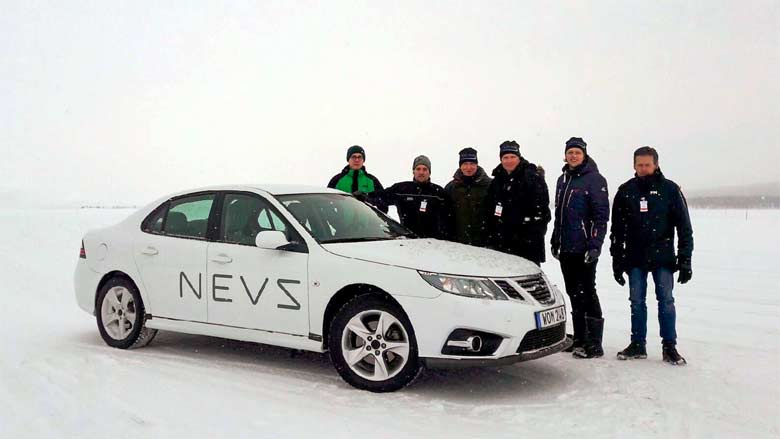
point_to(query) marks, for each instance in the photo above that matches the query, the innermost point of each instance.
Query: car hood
(436, 256)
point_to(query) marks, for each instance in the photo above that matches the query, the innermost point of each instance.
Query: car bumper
(454, 363)
(435, 320)
(85, 282)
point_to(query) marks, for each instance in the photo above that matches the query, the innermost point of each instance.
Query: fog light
(466, 342)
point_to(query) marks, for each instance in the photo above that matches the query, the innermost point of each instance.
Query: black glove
(619, 278)
(360, 196)
(617, 271)
(555, 252)
(684, 266)
(592, 256)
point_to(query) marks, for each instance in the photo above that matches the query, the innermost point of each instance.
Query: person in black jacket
(645, 214)
(517, 206)
(465, 196)
(581, 215)
(420, 202)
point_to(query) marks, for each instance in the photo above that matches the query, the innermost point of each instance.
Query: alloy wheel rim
(375, 345)
(118, 313)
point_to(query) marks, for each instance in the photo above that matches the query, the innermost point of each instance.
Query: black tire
(140, 335)
(368, 303)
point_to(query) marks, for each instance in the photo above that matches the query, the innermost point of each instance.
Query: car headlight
(464, 286)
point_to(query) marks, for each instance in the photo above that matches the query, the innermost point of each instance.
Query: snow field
(58, 378)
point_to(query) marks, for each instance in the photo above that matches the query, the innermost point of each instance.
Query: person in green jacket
(464, 196)
(354, 179)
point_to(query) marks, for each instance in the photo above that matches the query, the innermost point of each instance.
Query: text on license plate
(550, 317)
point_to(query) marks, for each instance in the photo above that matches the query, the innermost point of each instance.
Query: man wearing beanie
(517, 206)
(581, 215)
(420, 202)
(354, 179)
(465, 195)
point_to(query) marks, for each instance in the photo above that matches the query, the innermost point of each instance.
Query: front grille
(508, 289)
(542, 338)
(537, 288)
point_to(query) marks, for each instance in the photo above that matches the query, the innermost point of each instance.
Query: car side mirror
(271, 239)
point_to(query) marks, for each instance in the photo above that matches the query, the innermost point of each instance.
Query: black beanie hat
(509, 147)
(576, 142)
(356, 149)
(467, 155)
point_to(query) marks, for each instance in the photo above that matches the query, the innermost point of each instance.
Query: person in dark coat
(581, 215)
(420, 202)
(518, 206)
(355, 180)
(465, 195)
(647, 211)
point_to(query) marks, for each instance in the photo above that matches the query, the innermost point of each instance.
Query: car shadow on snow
(522, 380)
(506, 383)
(205, 351)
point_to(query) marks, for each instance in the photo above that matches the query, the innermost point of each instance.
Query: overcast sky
(122, 102)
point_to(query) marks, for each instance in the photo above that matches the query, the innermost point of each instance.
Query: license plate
(550, 317)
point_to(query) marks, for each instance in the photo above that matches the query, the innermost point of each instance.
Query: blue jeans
(664, 283)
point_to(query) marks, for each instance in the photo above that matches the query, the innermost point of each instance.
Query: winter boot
(635, 350)
(594, 331)
(671, 355)
(578, 323)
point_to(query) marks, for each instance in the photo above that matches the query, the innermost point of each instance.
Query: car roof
(273, 189)
(287, 189)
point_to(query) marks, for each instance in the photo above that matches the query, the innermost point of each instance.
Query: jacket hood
(521, 169)
(479, 176)
(436, 256)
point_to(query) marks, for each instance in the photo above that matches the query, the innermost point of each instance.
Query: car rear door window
(189, 216)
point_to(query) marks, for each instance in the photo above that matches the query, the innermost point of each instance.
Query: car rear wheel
(372, 345)
(121, 315)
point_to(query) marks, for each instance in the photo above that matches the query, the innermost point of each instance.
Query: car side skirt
(291, 341)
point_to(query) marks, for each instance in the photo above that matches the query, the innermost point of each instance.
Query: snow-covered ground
(58, 378)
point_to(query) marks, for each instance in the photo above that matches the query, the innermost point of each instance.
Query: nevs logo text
(254, 299)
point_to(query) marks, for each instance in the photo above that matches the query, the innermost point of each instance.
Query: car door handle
(222, 259)
(151, 251)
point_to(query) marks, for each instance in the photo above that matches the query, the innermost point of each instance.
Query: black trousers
(580, 280)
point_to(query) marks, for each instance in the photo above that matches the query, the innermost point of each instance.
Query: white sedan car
(315, 269)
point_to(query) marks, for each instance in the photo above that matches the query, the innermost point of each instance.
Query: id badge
(643, 205)
(499, 209)
(423, 205)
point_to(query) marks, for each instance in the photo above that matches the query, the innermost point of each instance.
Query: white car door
(171, 257)
(252, 287)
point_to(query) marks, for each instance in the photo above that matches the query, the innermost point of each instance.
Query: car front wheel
(372, 345)
(120, 315)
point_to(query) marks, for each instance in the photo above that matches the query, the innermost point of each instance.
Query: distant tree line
(736, 202)
(87, 206)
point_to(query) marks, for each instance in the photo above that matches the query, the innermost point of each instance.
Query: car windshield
(340, 218)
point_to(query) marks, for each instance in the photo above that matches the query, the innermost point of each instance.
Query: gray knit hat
(422, 160)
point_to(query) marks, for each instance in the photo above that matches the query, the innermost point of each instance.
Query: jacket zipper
(563, 198)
